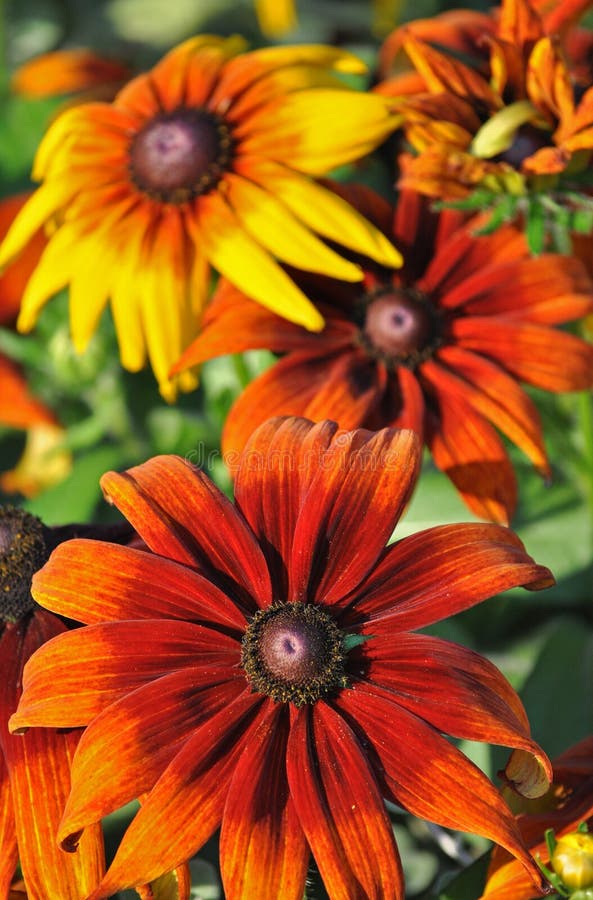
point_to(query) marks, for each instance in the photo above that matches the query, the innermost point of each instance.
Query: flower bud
(572, 860)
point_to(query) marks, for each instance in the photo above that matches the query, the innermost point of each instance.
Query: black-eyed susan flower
(259, 670)
(205, 161)
(440, 345)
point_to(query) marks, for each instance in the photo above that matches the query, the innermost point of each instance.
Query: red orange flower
(438, 346)
(503, 126)
(34, 770)
(203, 162)
(568, 802)
(262, 674)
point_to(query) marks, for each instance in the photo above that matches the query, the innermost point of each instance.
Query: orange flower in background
(568, 802)
(44, 462)
(439, 346)
(69, 71)
(38, 765)
(203, 162)
(501, 127)
(262, 675)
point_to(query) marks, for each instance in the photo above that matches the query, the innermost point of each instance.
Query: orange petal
(67, 71)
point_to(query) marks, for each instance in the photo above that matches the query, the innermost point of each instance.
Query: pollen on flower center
(400, 326)
(22, 553)
(179, 155)
(294, 652)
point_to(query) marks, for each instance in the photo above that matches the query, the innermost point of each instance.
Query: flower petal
(548, 290)
(454, 689)
(272, 224)
(71, 680)
(18, 407)
(317, 130)
(247, 264)
(325, 211)
(92, 582)
(544, 357)
(39, 766)
(263, 850)
(438, 572)
(362, 476)
(8, 846)
(495, 394)
(232, 323)
(286, 389)
(191, 793)
(428, 776)
(273, 475)
(348, 831)
(173, 506)
(127, 747)
(469, 451)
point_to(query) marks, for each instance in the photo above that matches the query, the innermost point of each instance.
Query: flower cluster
(265, 654)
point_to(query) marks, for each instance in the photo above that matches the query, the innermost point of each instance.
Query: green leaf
(536, 226)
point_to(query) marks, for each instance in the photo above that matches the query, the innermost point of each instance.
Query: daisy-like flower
(262, 674)
(567, 803)
(37, 766)
(502, 126)
(438, 346)
(205, 161)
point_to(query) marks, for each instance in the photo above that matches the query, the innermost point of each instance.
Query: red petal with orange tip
(263, 851)
(548, 290)
(39, 766)
(469, 451)
(191, 792)
(349, 831)
(547, 359)
(125, 749)
(103, 582)
(8, 846)
(172, 505)
(488, 388)
(362, 474)
(456, 690)
(111, 659)
(447, 788)
(233, 323)
(272, 478)
(460, 565)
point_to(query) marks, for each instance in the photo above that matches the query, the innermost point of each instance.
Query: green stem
(586, 419)
(241, 370)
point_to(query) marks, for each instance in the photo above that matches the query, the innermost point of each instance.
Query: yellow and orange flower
(259, 670)
(204, 161)
(568, 802)
(503, 122)
(439, 345)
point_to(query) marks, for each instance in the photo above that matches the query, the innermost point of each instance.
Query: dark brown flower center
(528, 140)
(22, 552)
(179, 155)
(294, 652)
(400, 326)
